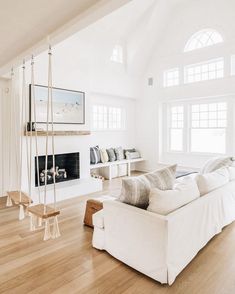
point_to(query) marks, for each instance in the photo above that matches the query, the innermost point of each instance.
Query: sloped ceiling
(25, 23)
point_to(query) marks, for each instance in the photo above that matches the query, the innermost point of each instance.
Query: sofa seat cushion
(211, 181)
(164, 202)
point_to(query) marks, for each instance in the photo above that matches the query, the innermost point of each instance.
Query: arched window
(204, 38)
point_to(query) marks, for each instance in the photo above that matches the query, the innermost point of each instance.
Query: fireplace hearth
(67, 168)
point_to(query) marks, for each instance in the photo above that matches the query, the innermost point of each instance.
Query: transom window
(209, 70)
(171, 77)
(204, 38)
(176, 128)
(108, 117)
(117, 54)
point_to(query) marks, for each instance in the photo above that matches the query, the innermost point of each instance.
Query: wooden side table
(92, 206)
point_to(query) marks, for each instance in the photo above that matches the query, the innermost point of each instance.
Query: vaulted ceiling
(25, 23)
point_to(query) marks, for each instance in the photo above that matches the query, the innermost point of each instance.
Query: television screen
(68, 105)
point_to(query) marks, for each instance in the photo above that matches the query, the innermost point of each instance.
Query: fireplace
(67, 168)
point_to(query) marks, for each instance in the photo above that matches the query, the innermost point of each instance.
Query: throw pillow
(231, 171)
(216, 163)
(164, 202)
(111, 154)
(94, 155)
(162, 179)
(211, 181)
(135, 190)
(119, 153)
(104, 155)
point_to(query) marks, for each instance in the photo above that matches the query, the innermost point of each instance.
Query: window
(209, 70)
(108, 118)
(176, 128)
(208, 127)
(171, 77)
(204, 38)
(233, 65)
(117, 54)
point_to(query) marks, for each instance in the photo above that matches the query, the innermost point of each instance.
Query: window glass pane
(171, 77)
(176, 140)
(209, 70)
(202, 39)
(208, 140)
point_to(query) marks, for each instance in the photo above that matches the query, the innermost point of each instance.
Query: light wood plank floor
(70, 265)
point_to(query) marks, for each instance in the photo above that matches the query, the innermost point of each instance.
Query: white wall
(186, 19)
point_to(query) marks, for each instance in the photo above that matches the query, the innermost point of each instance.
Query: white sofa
(161, 246)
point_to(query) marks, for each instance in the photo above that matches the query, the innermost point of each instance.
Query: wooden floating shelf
(59, 133)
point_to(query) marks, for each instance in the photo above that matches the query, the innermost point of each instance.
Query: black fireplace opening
(67, 168)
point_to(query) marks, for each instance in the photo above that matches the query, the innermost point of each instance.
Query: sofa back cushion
(135, 190)
(164, 202)
(211, 181)
(216, 163)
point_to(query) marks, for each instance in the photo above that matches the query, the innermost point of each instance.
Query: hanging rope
(49, 105)
(35, 124)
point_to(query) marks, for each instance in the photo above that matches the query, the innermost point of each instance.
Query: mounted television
(68, 105)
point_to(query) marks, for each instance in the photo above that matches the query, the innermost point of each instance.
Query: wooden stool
(92, 206)
(39, 213)
(19, 198)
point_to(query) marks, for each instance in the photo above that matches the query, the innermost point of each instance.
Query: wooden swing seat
(40, 212)
(15, 197)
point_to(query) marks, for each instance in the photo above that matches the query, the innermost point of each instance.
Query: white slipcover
(161, 246)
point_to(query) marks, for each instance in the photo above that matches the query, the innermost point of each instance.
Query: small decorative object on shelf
(31, 126)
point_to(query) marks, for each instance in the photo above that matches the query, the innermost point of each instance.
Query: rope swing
(42, 212)
(20, 198)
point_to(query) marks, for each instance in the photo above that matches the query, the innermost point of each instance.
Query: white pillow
(211, 181)
(164, 202)
(216, 163)
(231, 171)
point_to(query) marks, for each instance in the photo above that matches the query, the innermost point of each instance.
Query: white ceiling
(25, 23)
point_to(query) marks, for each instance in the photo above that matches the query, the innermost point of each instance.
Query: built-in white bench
(117, 162)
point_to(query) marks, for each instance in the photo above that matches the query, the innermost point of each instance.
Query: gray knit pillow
(136, 190)
(119, 153)
(216, 163)
(111, 154)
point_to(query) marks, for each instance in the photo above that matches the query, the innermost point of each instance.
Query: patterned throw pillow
(111, 154)
(136, 190)
(94, 155)
(119, 153)
(215, 163)
(104, 155)
(162, 179)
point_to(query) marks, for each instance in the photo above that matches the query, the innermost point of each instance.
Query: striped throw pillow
(135, 190)
(215, 163)
(94, 155)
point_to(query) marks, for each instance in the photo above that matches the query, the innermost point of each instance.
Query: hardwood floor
(70, 265)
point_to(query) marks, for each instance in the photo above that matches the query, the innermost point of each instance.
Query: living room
(128, 187)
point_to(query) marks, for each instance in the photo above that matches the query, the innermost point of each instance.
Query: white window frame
(199, 43)
(170, 126)
(203, 68)
(171, 81)
(109, 118)
(187, 104)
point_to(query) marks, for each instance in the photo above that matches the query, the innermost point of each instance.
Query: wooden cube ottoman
(92, 206)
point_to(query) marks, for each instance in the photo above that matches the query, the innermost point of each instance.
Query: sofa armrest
(137, 237)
